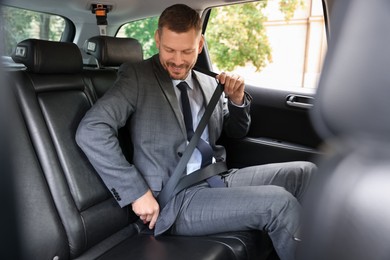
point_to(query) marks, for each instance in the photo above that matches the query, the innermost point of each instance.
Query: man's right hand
(147, 208)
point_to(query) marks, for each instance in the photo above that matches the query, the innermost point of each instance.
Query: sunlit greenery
(235, 35)
(143, 31)
(288, 7)
(21, 24)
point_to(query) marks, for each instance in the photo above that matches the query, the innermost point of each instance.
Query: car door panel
(279, 131)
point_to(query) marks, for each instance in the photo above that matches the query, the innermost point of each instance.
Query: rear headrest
(354, 90)
(112, 51)
(48, 57)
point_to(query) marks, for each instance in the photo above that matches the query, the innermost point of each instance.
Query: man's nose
(177, 58)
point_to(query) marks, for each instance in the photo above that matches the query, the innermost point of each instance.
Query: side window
(20, 24)
(142, 30)
(274, 43)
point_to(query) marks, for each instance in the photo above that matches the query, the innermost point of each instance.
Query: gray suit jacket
(144, 93)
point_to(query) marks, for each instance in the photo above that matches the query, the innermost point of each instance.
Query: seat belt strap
(200, 175)
(167, 193)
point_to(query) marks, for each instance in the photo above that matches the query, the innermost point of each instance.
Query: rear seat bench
(64, 209)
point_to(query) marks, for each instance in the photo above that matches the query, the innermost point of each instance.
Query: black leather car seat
(348, 217)
(109, 53)
(53, 101)
(112, 51)
(70, 214)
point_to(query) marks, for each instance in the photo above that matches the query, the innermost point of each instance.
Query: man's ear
(201, 44)
(157, 38)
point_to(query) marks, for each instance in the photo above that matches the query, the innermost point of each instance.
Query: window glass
(274, 43)
(19, 24)
(142, 30)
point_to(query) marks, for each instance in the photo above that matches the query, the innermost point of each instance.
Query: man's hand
(234, 87)
(147, 208)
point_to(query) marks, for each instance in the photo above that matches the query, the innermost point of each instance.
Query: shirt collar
(188, 79)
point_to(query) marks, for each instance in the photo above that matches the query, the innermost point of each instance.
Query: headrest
(48, 57)
(112, 51)
(353, 96)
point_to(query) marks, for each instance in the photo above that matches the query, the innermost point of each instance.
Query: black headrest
(112, 51)
(48, 57)
(354, 90)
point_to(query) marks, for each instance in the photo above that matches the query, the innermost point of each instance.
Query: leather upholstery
(349, 213)
(54, 104)
(48, 57)
(352, 96)
(112, 51)
(39, 229)
(70, 213)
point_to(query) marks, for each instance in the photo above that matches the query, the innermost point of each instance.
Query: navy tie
(203, 147)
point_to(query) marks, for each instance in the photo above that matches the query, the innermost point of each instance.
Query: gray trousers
(262, 197)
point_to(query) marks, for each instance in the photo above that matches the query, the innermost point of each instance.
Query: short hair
(180, 18)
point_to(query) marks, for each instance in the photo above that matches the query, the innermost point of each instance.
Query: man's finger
(221, 77)
(153, 220)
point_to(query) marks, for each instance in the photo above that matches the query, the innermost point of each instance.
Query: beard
(178, 72)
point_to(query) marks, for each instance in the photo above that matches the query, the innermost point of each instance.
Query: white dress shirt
(195, 97)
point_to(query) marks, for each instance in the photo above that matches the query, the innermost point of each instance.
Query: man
(259, 197)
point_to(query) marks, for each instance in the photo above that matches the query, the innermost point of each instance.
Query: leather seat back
(113, 51)
(36, 219)
(109, 53)
(54, 103)
(349, 215)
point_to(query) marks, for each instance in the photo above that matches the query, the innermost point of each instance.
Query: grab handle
(299, 101)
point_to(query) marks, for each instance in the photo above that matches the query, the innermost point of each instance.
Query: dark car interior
(348, 216)
(56, 206)
(84, 222)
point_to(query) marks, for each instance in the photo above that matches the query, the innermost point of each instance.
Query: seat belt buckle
(100, 11)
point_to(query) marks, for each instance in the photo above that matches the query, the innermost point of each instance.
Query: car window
(274, 43)
(142, 30)
(20, 24)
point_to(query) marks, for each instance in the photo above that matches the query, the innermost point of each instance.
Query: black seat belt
(177, 182)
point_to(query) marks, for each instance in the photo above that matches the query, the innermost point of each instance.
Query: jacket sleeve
(97, 136)
(237, 119)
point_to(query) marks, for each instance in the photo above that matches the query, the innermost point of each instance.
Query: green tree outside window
(143, 30)
(22, 24)
(235, 34)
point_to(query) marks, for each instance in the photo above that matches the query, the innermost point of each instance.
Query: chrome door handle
(300, 101)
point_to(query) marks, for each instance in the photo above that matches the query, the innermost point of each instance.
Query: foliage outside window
(270, 42)
(239, 28)
(236, 34)
(142, 30)
(19, 24)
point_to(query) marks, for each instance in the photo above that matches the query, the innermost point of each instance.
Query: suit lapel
(165, 84)
(205, 87)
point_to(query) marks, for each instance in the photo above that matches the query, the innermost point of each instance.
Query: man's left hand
(234, 87)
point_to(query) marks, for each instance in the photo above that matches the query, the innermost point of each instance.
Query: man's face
(178, 51)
